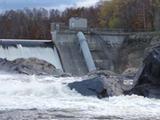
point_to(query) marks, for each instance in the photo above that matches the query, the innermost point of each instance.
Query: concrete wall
(70, 53)
(104, 49)
(110, 51)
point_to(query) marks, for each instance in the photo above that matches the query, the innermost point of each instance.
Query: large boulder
(103, 86)
(90, 87)
(29, 66)
(148, 80)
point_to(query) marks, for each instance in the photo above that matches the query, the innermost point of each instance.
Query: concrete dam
(103, 48)
(79, 50)
(65, 52)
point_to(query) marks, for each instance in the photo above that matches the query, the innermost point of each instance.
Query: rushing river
(49, 98)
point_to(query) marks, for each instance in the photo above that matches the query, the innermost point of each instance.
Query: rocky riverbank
(30, 66)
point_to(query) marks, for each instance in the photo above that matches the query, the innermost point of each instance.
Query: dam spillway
(64, 51)
(12, 49)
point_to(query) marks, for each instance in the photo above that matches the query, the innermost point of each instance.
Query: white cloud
(86, 3)
(78, 3)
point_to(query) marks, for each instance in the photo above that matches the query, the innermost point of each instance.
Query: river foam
(47, 92)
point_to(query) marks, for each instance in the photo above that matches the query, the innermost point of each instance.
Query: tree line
(35, 23)
(131, 15)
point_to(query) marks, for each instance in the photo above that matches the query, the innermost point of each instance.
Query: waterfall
(46, 53)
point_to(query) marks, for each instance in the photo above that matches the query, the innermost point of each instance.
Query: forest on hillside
(130, 15)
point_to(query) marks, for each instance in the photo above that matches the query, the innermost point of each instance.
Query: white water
(45, 53)
(25, 92)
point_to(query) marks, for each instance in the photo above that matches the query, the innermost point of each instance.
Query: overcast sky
(48, 4)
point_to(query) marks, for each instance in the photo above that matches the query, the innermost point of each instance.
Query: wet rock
(117, 85)
(148, 82)
(147, 90)
(29, 66)
(89, 87)
(130, 72)
(103, 86)
(102, 72)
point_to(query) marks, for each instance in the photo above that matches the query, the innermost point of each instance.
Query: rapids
(47, 92)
